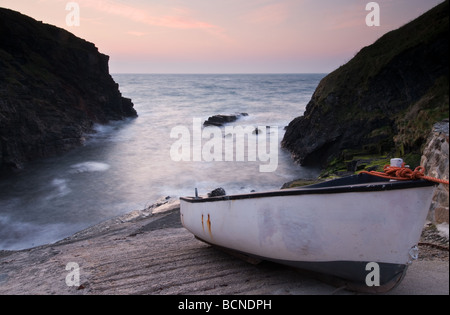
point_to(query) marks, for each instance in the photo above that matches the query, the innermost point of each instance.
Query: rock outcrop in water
(53, 88)
(383, 101)
(220, 120)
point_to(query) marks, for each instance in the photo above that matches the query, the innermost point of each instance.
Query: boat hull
(352, 275)
(330, 231)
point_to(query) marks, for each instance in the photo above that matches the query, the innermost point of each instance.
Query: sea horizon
(220, 73)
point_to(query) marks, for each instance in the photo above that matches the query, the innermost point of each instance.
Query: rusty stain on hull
(208, 222)
(203, 225)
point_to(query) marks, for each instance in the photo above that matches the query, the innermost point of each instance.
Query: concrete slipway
(149, 252)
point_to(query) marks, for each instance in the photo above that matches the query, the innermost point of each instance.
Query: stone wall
(435, 161)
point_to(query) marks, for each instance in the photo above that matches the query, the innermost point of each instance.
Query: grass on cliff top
(419, 118)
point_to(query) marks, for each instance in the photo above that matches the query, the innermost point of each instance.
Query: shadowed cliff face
(384, 100)
(53, 88)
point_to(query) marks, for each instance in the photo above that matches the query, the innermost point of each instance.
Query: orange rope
(404, 173)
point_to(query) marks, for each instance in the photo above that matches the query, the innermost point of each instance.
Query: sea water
(127, 165)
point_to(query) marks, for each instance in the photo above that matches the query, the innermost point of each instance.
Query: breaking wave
(90, 167)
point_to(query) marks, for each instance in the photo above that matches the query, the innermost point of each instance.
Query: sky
(225, 36)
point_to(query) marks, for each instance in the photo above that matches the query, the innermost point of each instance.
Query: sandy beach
(149, 252)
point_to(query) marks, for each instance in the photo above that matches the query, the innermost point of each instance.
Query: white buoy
(397, 162)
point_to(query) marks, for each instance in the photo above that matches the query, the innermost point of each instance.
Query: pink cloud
(179, 22)
(269, 14)
(136, 33)
(179, 18)
(351, 17)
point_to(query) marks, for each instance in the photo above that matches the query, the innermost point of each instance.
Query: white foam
(18, 235)
(103, 128)
(4, 220)
(11, 231)
(90, 167)
(61, 189)
(443, 229)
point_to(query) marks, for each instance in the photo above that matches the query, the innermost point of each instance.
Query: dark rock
(383, 100)
(217, 192)
(257, 131)
(356, 165)
(53, 87)
(220, 120)
(352, 165)
(435, 161)
(370, 169)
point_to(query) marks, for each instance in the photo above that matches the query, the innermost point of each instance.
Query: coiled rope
(404, 173)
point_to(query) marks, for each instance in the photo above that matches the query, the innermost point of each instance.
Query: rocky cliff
(435, 161)
(53, 88)
(383, 101)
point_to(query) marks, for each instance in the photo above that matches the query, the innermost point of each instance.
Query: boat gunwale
(330, 187)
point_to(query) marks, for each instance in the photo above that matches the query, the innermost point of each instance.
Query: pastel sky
(225, 36)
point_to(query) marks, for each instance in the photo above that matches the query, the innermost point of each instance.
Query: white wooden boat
(335, 228)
